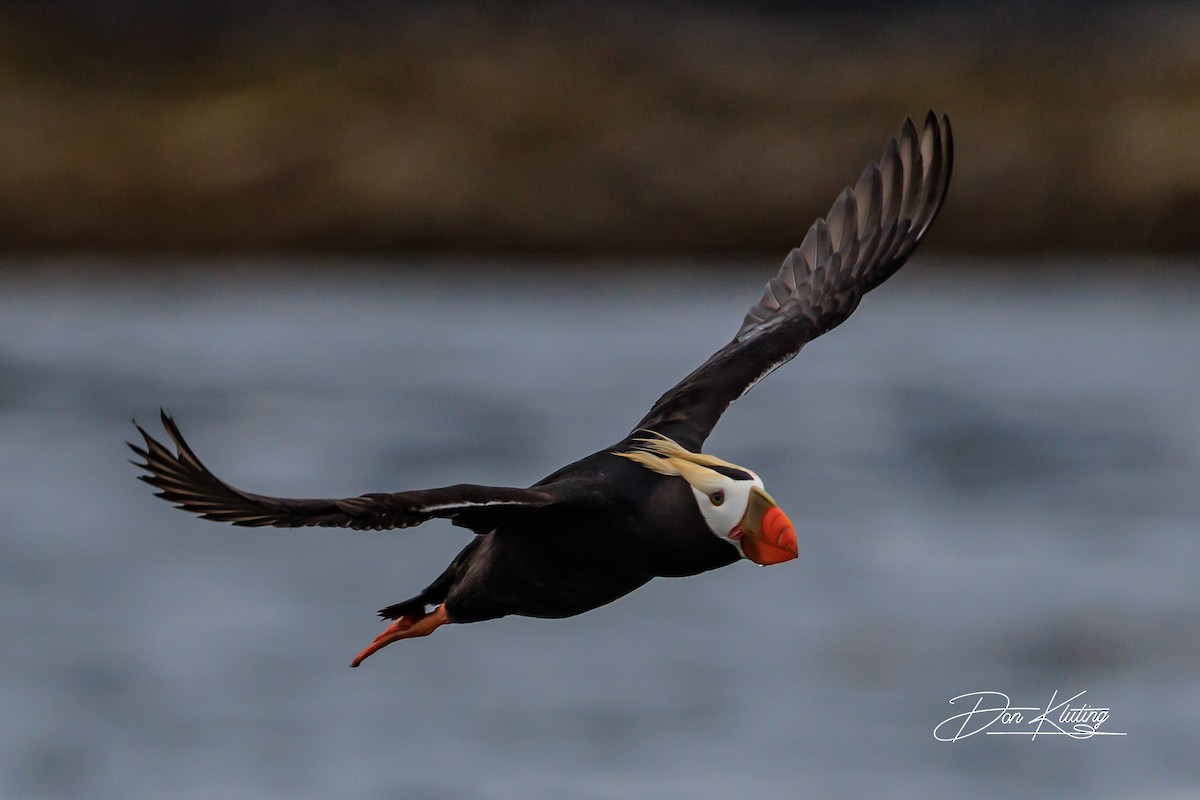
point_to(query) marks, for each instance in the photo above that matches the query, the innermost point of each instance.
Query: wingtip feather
(872, 228)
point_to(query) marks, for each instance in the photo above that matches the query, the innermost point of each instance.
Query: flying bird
(652, 505)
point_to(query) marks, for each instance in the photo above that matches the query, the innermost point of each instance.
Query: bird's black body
(620, 529)
(601, 527)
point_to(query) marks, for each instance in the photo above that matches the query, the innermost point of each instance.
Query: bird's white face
(737, 508)
(723, 502)
(732, 500)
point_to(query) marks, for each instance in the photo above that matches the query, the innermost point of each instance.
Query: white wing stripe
(468, 504)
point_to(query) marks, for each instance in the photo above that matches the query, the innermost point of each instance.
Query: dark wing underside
(869, 233)
(185, 482)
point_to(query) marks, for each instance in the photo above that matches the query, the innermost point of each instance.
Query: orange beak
(767, 534)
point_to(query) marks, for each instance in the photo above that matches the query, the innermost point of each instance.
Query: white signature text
(994, 714)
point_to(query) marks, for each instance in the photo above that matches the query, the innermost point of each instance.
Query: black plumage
(603, 526)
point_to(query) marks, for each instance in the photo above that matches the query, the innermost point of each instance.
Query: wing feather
(184, 481)
(868, 234)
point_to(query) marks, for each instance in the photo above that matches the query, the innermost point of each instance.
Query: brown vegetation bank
(453, 129)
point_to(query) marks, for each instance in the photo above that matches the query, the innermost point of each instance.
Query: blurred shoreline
(547, 132)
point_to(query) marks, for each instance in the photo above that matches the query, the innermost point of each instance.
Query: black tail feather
(415, 607)
(437, 591)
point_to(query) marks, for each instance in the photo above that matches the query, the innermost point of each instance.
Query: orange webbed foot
(407, 627)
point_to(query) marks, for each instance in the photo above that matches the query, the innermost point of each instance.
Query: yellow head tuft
(665, 456)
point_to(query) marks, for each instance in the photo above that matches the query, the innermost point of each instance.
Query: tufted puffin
(652, 505)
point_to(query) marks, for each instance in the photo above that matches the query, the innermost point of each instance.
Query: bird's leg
(407, 627)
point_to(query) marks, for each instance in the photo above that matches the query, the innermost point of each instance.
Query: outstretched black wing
(184, 481)
(869, 233)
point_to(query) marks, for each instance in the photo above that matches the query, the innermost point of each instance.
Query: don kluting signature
(993, 713)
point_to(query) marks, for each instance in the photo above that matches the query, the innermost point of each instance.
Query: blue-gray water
(995, 477)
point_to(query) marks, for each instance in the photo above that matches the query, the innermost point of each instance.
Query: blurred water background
(993, 472)
(375, 246)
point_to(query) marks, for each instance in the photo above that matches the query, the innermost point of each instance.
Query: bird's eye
(717, 497)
